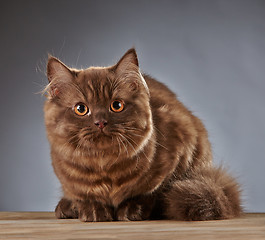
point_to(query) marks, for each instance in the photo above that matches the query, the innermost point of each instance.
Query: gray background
(211, 53)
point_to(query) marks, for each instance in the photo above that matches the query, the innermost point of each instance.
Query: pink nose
(101, 123)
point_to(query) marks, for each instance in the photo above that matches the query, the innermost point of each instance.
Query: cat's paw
(65, 209)
(90, 211)
(135, 209)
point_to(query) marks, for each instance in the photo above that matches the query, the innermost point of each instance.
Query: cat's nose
(101, 123)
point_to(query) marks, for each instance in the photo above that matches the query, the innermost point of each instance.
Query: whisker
(132, 128)
(156, 142)
(159, 131)
(124, 137)
(143, 153)
(123, 123)
(119, 147)
(124, 146)
(135, 134)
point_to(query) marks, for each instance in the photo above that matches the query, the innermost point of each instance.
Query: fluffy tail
(209, 194)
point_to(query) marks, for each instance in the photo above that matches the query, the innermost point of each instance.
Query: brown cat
(124, 148)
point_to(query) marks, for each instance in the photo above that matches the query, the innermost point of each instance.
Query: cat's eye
(117, 106)
(81, 109)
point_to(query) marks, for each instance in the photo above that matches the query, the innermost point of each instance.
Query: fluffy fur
(151, 160)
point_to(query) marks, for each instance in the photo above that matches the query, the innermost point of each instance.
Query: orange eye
(81, 109)
(117, 106)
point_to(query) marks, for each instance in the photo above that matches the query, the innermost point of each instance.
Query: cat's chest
(111, 185)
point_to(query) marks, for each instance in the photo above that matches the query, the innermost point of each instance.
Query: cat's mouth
(102, 133)
(100, 139)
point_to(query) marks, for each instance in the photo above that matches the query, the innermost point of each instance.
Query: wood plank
(43, 225)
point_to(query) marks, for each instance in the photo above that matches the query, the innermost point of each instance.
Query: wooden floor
(43, 225)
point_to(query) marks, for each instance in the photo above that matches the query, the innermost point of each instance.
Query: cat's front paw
(66, 209)
(90, 211)
(135, 209)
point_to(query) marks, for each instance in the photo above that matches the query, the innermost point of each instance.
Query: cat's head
(99, 109)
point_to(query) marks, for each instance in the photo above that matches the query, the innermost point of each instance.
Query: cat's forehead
(97, 82)
(95, 75)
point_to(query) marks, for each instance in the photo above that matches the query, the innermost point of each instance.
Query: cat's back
(157, 88)
(162, 98)
(180, 134)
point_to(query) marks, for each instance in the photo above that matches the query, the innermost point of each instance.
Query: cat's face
(99, 109)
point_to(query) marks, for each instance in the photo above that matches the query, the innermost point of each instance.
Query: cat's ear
(58, 70)
(59, 76)
(128, 62)
(127, 70)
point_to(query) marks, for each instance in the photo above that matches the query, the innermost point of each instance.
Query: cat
(125, 148)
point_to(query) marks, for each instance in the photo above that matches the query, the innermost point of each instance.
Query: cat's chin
(100, 141)
(108, 144)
